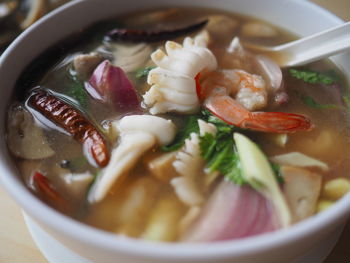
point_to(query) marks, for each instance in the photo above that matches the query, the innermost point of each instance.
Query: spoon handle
(308, 49)
(317, 46)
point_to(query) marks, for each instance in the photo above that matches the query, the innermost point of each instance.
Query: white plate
(55, 252)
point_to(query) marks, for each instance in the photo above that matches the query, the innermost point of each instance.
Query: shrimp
(232, 95)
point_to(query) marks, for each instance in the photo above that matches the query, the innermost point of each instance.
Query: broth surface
(327, 142)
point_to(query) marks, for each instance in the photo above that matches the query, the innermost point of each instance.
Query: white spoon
(308, 49)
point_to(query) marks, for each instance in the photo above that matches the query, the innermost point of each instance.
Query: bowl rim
(98, 238)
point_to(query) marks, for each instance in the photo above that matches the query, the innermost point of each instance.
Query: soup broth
(151, 198)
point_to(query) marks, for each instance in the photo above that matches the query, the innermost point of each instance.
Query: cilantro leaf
(314, 77)
(277, 171)
(220, 124)
(77, 91)
(346, 100)
(309, 101)
(143, 72)
(221, 155)
(191, 125)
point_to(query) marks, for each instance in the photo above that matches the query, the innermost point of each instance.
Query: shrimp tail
(277, 122)
(231, 112)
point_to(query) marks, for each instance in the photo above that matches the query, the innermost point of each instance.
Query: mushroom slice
(84, 64)
(76, 184)
(301, 189)
(25, 139)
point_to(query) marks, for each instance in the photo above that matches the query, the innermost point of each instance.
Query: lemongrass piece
(257, 171)
(300, 160)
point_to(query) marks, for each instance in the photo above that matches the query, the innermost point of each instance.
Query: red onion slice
(232, 212)
(110, 84)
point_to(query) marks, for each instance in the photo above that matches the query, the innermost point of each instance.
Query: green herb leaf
(220, 124)
(277, 171)
(346, 100)
(144, 72)
(77, 91)
(309, 101)
(190, 126)
(221, 155)
(314, 77)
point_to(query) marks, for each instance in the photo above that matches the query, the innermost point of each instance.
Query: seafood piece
(25, 139)
(248, 89)
(129, 56)
(217, 89)
(189, 164)
(174, 85)
(135, 35)
(72, 121)
(138, 133)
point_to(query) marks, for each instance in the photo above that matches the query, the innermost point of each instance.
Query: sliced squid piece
(173, 86)
(25, 139)
(189, 164)
(129, 57)
(138, 133)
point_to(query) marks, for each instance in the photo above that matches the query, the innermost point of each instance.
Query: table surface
(16, 245)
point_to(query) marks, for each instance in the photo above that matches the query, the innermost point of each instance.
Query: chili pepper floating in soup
(48, 193)
(137, 35)
(74, 123)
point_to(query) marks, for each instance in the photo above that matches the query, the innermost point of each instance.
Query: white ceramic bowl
(299, 17)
